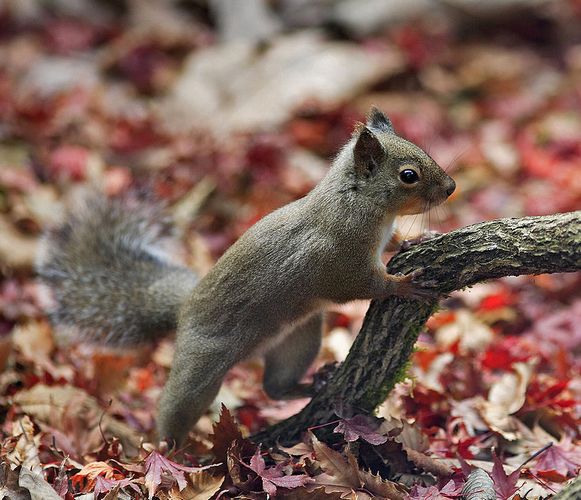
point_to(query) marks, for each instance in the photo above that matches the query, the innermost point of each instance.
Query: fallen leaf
(59, 405)
(563, 458)
(361, 426)
(273, 477)
(25, 452)
(504, 485)
(338, 475)
(225, 432)
(506, 397)
(343, 475)
(156, 466)
(34, 339)
(37, 486)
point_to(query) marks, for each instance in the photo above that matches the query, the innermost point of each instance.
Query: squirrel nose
(451, 187)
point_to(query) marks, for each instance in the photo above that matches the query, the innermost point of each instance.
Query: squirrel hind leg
(200, 363)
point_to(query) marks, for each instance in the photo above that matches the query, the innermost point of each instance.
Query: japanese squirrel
(113, 283)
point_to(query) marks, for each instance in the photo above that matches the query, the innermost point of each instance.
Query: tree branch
(380, 353)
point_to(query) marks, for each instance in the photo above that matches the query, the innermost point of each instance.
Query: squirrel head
(395, 173)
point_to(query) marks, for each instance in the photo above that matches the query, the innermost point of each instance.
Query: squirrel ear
(378, 121)
(368, 152)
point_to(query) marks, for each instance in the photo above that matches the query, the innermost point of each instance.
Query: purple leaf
(360, 426)
(505, 486)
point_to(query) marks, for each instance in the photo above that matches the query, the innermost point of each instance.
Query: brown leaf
(59, 405)
(506, 397)
(16, 250)
(34, 339)
(311, 494)
(203, 487)
(381, 487)
(225, 432)
(25, 452)
(339, 475)
(429, 464)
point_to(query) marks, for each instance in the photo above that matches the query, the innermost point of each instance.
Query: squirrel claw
(409, 286)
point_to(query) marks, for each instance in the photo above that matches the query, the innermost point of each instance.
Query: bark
(571, 492)
(381, 351)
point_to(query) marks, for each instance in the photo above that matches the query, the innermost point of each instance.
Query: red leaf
(502, 356)
(505, 486)
(562, 458)
(496, 301)
(360, 426)
(104, 485)
(69, 162)
(273, 477)
(157, 465)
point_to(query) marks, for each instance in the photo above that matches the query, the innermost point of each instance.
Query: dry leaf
(472, 333)
(34, 339)
(17, 250)
(37, 486)
(25, 452)
(51, 404)
(505, 398)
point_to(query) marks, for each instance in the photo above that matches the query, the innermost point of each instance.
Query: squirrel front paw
(410, 286)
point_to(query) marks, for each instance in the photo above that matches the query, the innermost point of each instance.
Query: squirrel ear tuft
(379, 121)
(368, 152)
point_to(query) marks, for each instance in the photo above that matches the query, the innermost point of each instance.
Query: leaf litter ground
(495, 377)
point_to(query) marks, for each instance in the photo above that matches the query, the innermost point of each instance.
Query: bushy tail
(111, 280)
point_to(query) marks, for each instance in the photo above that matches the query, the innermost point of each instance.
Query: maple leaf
(562, 458)
(339, 476)
(157, 465)
(273, 477)
(505, 486)
(91, 472)
(424, 493)
(451, 489)
(361, 426)
(342, 475)
(224, 432)
(104, 485)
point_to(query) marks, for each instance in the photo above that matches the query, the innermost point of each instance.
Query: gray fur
(379, 122)
(266, 293)
(109, 275)
(320, 249)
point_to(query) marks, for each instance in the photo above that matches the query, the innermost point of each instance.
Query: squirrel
(113, 282)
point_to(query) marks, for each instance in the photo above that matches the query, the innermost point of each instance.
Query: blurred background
(227, 109)
(231, 108)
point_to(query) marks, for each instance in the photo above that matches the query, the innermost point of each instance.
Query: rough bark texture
(380, 353)
(571, 492)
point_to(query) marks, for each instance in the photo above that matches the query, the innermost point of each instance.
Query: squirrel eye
(409, 176)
